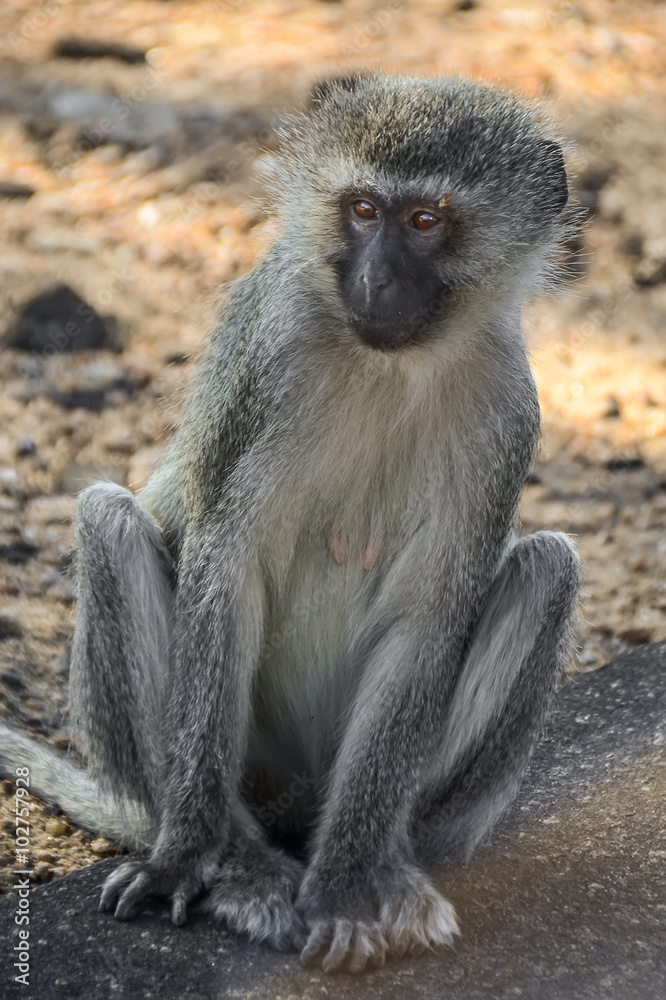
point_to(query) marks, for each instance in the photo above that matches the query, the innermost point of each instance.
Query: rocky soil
(127, 176)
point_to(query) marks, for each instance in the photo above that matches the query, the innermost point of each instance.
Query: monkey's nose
(376, 282)
(373, 285)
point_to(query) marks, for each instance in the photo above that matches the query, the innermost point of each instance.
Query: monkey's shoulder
(225, 412)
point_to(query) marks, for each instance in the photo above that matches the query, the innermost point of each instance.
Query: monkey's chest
(308, 674)
(341, 512)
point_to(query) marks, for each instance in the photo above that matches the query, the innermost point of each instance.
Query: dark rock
(25, 447)
(58, 321)
(636, 636)
(10, 626)
(101, 118)
(625, 464)
(78, 119)
(19, 552)
(83, 382)
(37, 725)
(85, 399)
(566, 903)
(613, 409)
(10, 190)
(631, 244)
(92, 48)
(650, 271)
(591, 182)
(12, 680)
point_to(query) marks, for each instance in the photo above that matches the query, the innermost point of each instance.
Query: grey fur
(347, 604)
(55, 779)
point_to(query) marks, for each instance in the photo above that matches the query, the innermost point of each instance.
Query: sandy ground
(144, 202)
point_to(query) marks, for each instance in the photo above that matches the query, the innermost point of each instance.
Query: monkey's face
(389, 269)
(428, 198)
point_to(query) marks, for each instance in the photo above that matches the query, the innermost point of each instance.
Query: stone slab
(568, 902)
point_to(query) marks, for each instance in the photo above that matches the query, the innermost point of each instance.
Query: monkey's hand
(399, 911)
(130, 885)
(254, 893)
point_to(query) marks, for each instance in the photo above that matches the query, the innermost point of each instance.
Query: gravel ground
(130, 182)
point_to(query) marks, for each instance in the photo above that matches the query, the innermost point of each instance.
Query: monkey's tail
(54, 779)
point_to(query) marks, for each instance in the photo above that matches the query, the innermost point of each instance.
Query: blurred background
(128, 132)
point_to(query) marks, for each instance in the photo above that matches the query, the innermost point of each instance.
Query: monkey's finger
(339, 948)
(129, 904)
(320, 935)
(378, 960)
(368, 945)
(115, 884)
(187, 891)
(179, 909)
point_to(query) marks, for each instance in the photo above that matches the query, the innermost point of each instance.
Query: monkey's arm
(211, 642)
(221, 421)
(217, 632)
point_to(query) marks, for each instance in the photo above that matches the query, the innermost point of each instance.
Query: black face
(389, 273)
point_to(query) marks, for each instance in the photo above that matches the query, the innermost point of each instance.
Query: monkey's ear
(555, 174)
(326, 88)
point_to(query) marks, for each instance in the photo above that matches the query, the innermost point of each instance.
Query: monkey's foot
(401, 911)
(413, 916)
(351, 943)
(131, 884)
(254, 894)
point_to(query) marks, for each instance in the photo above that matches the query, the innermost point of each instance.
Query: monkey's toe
(129, 904)
(413, 916)
(134, 882)
(342, 943)
(116, 884)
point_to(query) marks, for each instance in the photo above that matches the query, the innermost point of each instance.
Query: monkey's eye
(365, 210)
(424, 220)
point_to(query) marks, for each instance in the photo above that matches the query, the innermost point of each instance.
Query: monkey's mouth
(385, 336)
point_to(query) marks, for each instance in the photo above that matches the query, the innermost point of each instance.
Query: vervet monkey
(313, 650)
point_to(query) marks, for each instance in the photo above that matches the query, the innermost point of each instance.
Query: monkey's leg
(386, 902)
(206, 839)
(120, 649)
(502, 697)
